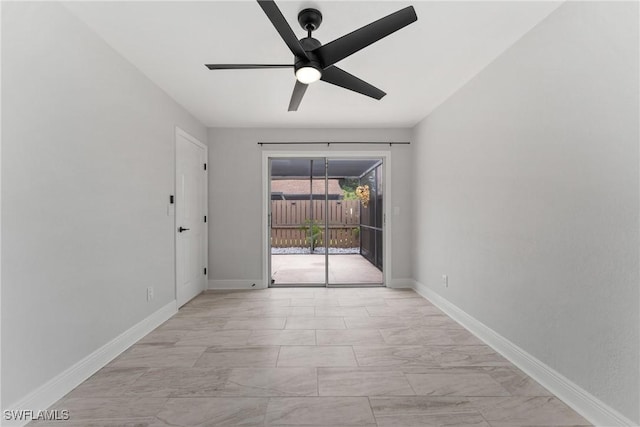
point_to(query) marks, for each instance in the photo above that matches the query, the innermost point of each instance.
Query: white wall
(527, 197)
(235, 180)
(87, 169)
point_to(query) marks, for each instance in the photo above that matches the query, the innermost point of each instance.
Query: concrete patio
(310, 268)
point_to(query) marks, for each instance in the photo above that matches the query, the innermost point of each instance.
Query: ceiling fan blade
(245, 66)
(340, 48)
(298, 92)
(339, 77)
(275, 16)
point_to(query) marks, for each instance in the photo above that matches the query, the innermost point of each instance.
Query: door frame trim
(194, 140)
(387, 234)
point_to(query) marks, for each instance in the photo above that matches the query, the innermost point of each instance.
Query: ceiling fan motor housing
(308, 44)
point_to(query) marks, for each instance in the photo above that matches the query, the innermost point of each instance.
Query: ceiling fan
(314, 61)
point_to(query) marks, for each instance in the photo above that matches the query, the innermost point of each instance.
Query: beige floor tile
(416, 336)
(432, 420)
(315, 323)
(325, 425)
(374, 322)
(265, 323)
(111, 408)
(267, 311)
(302, 311)
(120, 422)
(519, 411)
(467, 355)
(386, 311)
(517, 382)
(341, 312)
(299, 411)
(272, 382)
(164, 336)
(431, 405)
(349, 337)
(363, 302)
(180, 382)
(241, 293)
(390, 292)
(221, 338)
(225, 311)
(428, 356)
(426, 411)
(108, 382)
(407, 302)
(215, 411)
(434, 321)
(266, 303)
(362, 382)
(239, 356)
(395, 356)
(314, 302)
(449, 384)
(282, 337)
(186, 323)
(340, 292)
(203, 312)
(207, 300)
(153, 356)
(463, 337)
(316, 356)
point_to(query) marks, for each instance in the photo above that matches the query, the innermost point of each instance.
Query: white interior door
(191, 205)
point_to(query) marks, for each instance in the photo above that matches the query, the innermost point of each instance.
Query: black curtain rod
(329, 143)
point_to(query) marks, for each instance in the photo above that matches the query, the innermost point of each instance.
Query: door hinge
(205, 271)
(205, 218)
(205, 166)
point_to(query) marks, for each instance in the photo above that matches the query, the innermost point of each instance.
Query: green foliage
(348, 186)
(313, 232)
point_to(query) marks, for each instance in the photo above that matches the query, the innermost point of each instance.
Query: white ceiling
(419, 66)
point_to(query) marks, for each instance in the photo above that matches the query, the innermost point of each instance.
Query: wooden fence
(291, 220)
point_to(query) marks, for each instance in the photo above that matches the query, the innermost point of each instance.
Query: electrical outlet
(149, 293)
(445, 280)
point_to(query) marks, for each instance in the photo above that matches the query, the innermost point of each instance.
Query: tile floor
(312, 357)
(310, 268)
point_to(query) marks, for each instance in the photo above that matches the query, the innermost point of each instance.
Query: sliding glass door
(325, 218)
(298, 193)
(355, 252)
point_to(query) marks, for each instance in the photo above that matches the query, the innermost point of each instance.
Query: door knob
(181, 229)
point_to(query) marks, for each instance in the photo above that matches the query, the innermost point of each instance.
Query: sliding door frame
(385, 156)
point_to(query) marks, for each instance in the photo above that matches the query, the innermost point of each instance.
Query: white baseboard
(236, 284)
(593, 409)
(53, 390)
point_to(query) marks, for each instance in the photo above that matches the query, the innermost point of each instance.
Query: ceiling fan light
(308, 75)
